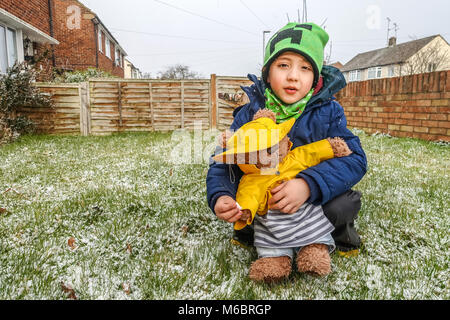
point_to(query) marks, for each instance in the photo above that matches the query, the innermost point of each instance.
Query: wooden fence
(65, 116)
(413, 106)
(105, 106)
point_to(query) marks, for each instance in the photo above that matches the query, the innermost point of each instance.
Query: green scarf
(285, 112)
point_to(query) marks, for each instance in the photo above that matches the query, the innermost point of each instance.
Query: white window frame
(100, 40)
(354, 75)
(431, 67)
(374, 73)
(108, 47)
(118, 58)
(391, 71)
(16, 40)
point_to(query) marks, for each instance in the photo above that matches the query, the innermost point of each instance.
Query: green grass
(140, 220)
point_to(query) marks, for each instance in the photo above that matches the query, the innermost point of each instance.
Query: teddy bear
(262, 150)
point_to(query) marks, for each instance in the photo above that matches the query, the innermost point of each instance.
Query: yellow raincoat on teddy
(254, 188)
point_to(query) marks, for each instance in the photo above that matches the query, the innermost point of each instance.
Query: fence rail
(64, 117)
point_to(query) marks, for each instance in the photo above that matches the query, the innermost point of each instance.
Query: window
(432, 67)
(3, 52)
(118, 58)
(374, 73)
(100, 42)
(8, 48)
(391, 71)
(354, 75)
(108, 48)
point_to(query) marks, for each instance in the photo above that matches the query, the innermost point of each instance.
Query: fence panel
(229, 96)
(64, 118)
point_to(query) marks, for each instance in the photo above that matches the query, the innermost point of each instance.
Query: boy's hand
(226, 209)
(289, 196)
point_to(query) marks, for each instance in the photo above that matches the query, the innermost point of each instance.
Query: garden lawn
(112, 218)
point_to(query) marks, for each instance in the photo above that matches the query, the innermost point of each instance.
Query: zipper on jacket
(231, 174)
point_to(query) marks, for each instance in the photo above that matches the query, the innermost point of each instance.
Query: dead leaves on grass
(126, 288)
(67, 288)
(71, 243)
(184, 230)
(129, 249)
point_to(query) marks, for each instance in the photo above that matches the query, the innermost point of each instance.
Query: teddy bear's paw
(314, 260)
(340, 147)
(224, 137)
(270, 269)
(265, 113)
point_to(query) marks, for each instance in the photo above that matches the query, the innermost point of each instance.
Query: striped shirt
(281, 230)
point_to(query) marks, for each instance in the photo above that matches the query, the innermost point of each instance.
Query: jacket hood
(333, 82)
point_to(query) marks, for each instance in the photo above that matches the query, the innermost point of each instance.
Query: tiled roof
(385, 56)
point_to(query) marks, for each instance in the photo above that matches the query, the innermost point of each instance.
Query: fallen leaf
(185, 230)
(3, 210)
(71, 242)
(68, 289)
(129, 249)
(126, 288)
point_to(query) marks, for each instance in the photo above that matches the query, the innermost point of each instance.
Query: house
(337, 64)
(418, 56)
(22, 23)
(75, 36)
(131, 72)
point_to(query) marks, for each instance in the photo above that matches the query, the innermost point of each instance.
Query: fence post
(152, 113)
(213, 93)
(120, 104)
(85, 123)
(182, 104)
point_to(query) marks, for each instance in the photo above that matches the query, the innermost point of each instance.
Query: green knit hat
(308, 39)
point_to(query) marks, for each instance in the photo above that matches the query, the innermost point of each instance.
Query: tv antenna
(395, 28)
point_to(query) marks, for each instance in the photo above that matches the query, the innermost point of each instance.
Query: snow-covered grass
(113, 218)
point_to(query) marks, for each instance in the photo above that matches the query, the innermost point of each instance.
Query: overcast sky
(226, 36)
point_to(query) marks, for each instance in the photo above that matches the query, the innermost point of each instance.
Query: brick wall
(77, 49)
(415, 106)
(35, 12)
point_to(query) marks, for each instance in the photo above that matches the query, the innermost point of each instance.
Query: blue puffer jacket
(323, 117)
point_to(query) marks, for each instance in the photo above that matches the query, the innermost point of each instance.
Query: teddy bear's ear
(224, 137)
(265, 113)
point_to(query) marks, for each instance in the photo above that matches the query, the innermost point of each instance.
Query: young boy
(296, 84)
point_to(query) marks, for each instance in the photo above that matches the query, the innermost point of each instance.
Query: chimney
(392, 41)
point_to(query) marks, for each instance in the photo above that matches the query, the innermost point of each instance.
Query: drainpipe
(96, 31)
(50, 13)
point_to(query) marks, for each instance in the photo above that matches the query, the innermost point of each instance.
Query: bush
(82, 76)
(17, 90)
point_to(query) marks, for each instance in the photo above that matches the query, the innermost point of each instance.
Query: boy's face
(291, 77)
